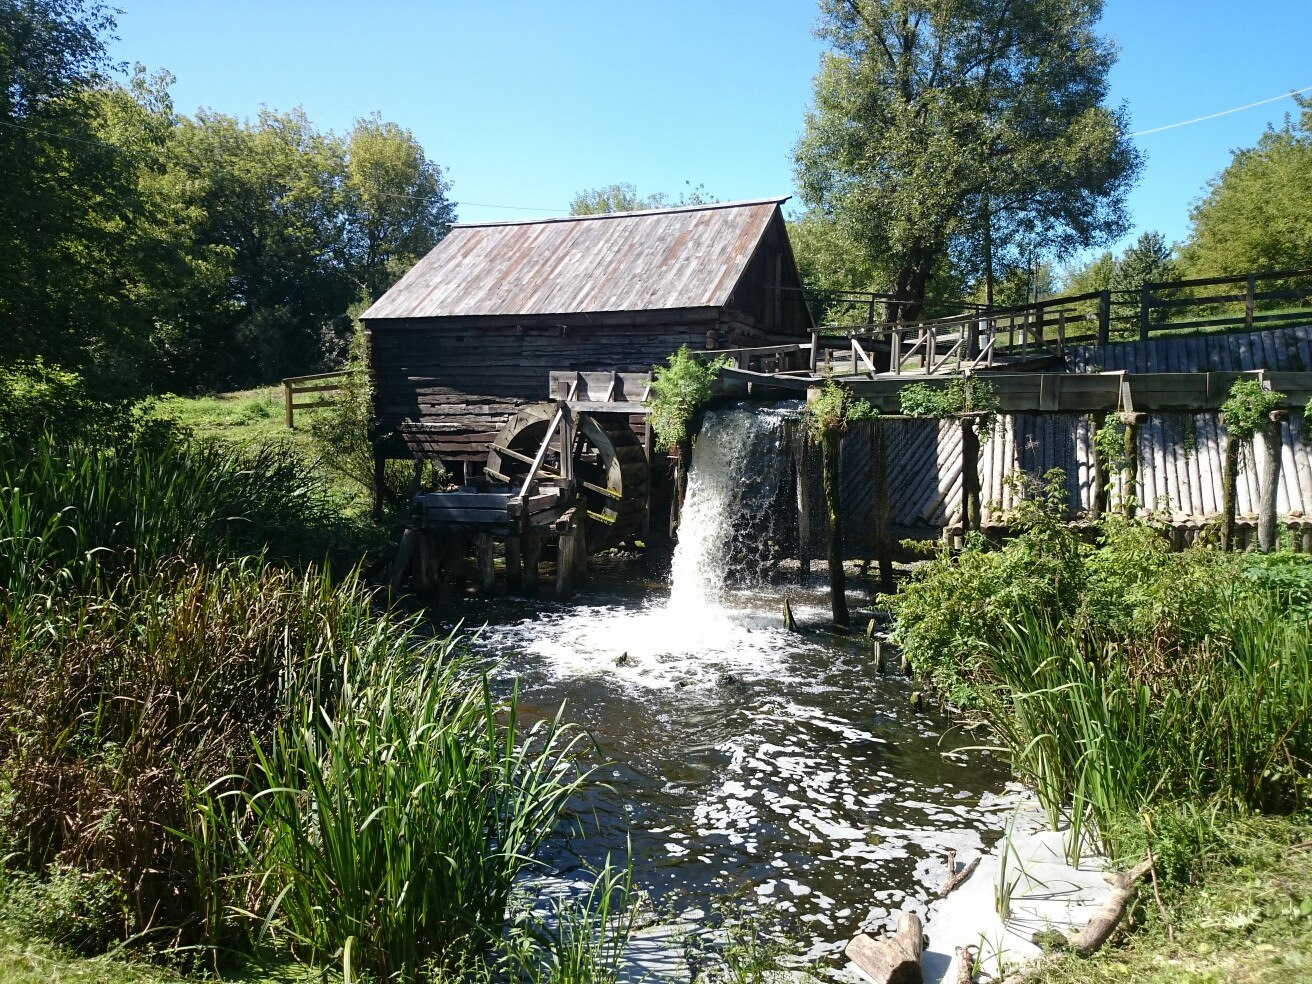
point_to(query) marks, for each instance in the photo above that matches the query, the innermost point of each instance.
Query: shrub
(830, 411)
(1246, 409)
(963, 394)
(680, 391)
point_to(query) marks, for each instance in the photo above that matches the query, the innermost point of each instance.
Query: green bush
(830, 411)
(80, 911)
(1247, 407)
(680, 391)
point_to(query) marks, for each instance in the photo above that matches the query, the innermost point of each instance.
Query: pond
(748, 766)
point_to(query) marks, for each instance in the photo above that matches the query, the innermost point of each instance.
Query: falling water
(740, 470)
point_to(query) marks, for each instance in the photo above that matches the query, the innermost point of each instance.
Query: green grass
(27, 961)
(1247, 919)
(252, 416)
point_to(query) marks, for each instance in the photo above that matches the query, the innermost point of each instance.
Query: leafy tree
(1148, 259)
(395, 203)
(624, 197)
(61, 195)
(1255, 214)
(973, 131)
(1094, 276)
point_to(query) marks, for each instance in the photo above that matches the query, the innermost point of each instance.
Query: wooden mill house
(473, 331)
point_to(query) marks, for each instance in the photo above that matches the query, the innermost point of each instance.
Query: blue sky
(525, 103)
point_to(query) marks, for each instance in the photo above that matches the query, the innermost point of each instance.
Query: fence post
(815, 350)
(287, 402)
(1061, 332)
(1145, 299)
(1249, 290)
(1104, 316)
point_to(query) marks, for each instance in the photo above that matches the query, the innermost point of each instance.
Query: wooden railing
(294, 386)
(1047, 327)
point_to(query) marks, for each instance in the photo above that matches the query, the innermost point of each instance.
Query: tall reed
(395, 825)
(1093, 726)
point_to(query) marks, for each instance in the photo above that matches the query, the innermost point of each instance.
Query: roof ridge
(705, 206)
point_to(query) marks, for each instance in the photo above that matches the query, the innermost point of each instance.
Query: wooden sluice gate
(563, 478)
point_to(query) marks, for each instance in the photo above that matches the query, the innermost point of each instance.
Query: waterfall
(740, 471)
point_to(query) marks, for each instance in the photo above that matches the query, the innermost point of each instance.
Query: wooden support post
(831, 456)
(401, 562)
(651, 479)
(568, 548)
(1061, 332)
(1101, 480)
(380, 484)
(532, 551)
(681, 464)
(815, 350)
(1130, 492)
(879, 474)
(514, 563)
(1229, 492)
(1249, 289)
(486, 568)
(970, 506)
(1269, 444)
(1104, 316)
(289, 411)
(802, 471)
(1145, 302)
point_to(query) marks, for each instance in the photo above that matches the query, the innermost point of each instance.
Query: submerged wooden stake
(831, 455)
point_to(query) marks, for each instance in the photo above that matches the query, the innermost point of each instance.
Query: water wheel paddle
(610, 468)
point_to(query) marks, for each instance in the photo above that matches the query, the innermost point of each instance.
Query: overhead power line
(1224, 112)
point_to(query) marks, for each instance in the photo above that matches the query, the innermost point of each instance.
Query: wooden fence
(294, 386)
(974, 338)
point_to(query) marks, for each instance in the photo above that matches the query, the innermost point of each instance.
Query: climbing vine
(829, 412)
(679, 392)
(1248, 407)
(964, 394)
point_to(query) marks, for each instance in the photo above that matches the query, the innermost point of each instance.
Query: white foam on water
(707, 626)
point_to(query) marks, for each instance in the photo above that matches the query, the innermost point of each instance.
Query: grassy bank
(1163, 700)
(219, 745)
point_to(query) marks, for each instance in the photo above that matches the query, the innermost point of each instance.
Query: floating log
(893, 959)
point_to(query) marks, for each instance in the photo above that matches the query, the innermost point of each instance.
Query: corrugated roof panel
(627, 261)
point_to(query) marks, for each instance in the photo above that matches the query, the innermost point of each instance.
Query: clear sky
(524, 103)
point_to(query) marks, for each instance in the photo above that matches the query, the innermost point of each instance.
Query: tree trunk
(1229, 483)
(970, 505)
(1270, 443)
(831, 453)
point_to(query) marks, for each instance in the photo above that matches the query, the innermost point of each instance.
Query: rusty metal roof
(661, 259)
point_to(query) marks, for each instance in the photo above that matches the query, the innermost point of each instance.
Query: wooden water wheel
(610, 469)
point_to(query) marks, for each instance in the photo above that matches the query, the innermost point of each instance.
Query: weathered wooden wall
(443, 390)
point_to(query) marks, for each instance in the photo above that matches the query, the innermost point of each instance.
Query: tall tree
(971, 130)
(1255, 215)
(61, 188)
(395, 203)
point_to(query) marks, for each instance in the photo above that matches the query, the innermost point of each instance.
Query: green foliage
(680, 391)
(1148, 259)
(830, 411)
(962, 394)
(190, 252)
(985, 122)
(74, 909)
(624, 197)
(1248, 406)
(1124, 678)
(1254, 214)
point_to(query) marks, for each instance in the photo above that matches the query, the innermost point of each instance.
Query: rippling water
(748, 765)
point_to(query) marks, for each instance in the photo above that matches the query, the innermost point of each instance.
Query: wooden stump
(893, 959)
